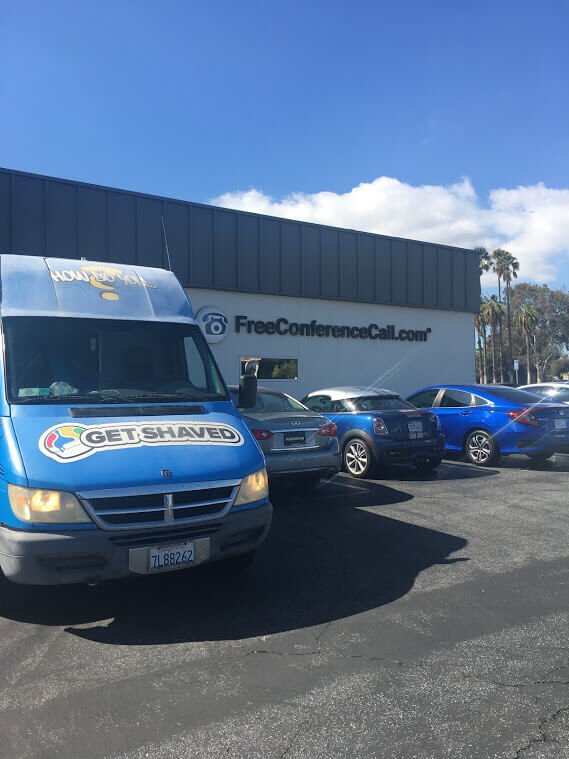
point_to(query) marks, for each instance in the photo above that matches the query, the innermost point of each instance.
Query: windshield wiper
(67, 397)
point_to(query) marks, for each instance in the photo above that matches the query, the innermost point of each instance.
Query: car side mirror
(247, 391)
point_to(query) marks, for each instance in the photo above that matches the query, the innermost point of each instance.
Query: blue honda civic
(376, 426)
(485, 422)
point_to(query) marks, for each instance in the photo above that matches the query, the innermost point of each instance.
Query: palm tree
(478, 328)
(499, 267)
(482, 334)
(484, 259)
(493, 311)
(510, 269)
(484, 265)
(526, 318)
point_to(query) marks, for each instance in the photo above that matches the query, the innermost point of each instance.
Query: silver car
(555, 391)
(300, 446)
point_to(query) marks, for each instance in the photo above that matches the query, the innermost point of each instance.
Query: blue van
(121, 450)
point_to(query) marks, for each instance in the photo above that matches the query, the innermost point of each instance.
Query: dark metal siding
(231, 250)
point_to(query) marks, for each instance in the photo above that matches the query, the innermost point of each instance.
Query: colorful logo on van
(103, 278)
(68, 443)
(64, 443)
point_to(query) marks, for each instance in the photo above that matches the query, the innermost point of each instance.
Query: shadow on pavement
(450, 469)
(559, 463)
(327, 557)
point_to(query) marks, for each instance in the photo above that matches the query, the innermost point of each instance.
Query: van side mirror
(247, 391)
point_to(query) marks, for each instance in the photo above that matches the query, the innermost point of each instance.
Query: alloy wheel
(480, 448)
(356, 457)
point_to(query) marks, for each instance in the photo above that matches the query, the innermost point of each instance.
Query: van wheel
(481, 448)
(358, 458)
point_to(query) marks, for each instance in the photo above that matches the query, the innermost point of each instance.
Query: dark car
(300, 447)
(487, 421)
(378, 426)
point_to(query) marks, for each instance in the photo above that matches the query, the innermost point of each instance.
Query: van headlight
(254, 487)
(45, 506)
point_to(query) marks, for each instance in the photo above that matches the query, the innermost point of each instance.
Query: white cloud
(531, 222)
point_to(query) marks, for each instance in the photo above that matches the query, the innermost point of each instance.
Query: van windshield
(62, 360)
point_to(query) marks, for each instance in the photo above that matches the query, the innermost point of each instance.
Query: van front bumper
(91, 555)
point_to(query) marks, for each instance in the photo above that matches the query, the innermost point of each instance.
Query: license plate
(415, 426)
(560, 424)
(294, 438)
(170, 556)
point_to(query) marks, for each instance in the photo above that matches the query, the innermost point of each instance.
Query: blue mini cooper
(378, 426)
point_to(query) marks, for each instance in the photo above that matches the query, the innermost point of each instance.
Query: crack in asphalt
(502, 684)
(543, 737)
(293, 738)
(320, 652)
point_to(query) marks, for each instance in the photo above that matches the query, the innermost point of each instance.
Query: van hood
(80, 453)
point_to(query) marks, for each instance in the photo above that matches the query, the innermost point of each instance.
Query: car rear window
(514, 395)
(379, 403)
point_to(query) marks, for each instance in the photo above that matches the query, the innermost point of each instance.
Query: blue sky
(206, 101)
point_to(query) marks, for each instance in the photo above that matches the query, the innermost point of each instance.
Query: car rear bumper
(91, 555)
(408, 450)
(326, 461)
(526, 442)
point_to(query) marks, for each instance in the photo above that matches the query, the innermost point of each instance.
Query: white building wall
(446, 357)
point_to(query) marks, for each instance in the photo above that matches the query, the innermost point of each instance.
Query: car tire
(481, 448)
(427, 463)
(358, 458)
(542, 457)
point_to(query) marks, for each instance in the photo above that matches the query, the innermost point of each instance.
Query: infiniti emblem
(295, 423)
(165, 473)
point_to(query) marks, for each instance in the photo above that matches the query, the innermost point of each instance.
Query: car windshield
(515, 396)
(380, 403)
(272, 402)
(63, 360)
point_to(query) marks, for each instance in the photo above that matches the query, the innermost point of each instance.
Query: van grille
(203, 502)
(157, 537)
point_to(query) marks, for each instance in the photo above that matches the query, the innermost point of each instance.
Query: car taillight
(524, 416)
(379, 426)
(262, 434)
(328, 430)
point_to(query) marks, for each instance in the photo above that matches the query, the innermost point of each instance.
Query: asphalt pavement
(408, 616)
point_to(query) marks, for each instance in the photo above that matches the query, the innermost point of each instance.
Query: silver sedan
(300, 446)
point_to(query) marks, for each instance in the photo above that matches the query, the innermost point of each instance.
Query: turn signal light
(379, 426)
(262, 434)
(524, 416)
(328, 430)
